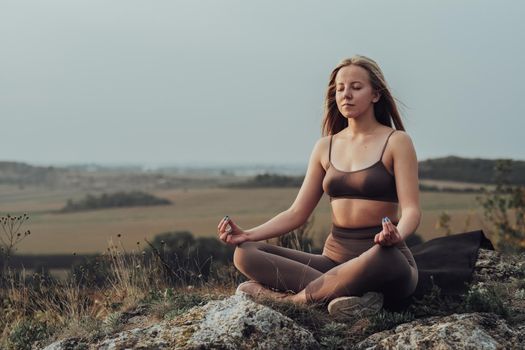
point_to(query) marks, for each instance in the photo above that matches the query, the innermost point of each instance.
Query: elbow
(414, 213)
(298, 217)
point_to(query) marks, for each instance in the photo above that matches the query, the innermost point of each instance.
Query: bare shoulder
(402, 144)
(324, 141)
(401, 138)
(321, 149)
(322, 144)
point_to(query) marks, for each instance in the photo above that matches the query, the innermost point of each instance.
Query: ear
(376, 98)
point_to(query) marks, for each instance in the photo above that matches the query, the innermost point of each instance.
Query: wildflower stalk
(10, 237)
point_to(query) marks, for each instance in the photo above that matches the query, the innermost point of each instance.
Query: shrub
(92, 272)
(504, 208)
(388, 320)
(434, 303)
(114, 200)
(26, 332)
(188, 259)
(486, 298)
(333, 335)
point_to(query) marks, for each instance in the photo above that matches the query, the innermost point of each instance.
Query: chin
(350, 116)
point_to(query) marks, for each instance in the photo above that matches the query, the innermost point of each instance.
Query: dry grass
(65, 308)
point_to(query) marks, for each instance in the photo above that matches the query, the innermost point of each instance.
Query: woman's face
(353, 92)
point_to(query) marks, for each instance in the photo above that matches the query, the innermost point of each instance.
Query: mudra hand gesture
(389, 235)
(230, 233)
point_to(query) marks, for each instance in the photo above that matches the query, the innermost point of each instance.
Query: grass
(37, 309)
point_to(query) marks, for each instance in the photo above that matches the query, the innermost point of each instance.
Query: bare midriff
(356, 213)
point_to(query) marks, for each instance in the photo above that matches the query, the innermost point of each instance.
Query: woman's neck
(362, 126)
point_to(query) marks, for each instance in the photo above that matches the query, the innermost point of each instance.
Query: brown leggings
(351, 264)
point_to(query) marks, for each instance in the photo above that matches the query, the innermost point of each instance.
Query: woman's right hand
(230, 233)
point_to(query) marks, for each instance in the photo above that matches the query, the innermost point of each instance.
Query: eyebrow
(355, 81)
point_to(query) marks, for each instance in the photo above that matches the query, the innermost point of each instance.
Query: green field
(197, 210)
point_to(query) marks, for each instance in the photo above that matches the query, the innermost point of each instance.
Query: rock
(492, 266)
(457, 331)
(154, 337)
(238, 322)
(233, 323)
(68, 344)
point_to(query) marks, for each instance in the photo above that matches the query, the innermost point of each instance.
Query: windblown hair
(385, 108)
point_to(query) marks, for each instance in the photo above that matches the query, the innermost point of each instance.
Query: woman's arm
(407, 183)
(309, 195)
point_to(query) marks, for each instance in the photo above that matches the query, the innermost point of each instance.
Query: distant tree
(475, 170)
(270, 180)
(114, 200)
(504, 209)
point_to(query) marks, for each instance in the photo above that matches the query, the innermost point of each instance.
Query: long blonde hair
(385, 108)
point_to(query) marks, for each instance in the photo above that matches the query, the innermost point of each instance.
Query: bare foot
(257, 291)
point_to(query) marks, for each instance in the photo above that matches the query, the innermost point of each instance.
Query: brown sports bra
(373, 182)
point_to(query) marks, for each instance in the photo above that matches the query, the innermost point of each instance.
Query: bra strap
(330, 149)
(384, 147)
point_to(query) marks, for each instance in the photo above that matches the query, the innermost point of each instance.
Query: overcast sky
(223, 82)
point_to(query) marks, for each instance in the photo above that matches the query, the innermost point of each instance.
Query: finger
(392, 228)
(394, 233)
(232, 224)
(386, 238)
(390, 224)
(222, 220)
(219, 228)
(389, 237)
(386, 229)
(225, 222)
(385, 226)
(226, 237)
(381, 237)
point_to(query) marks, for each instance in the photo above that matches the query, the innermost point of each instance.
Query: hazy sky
(168, 82)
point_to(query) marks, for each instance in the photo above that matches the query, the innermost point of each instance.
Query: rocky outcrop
(233, 323)
(458, 331)
(492, 266)
(238, 322)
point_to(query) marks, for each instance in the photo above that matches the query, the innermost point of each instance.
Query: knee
(241, 255)
(388, 258)
(379, 252)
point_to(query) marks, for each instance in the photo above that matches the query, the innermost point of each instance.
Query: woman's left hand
(389, 236)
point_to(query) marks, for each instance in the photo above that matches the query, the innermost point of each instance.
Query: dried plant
(10, 237)
(504, 209)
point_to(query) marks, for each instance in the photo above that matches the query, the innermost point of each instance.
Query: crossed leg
(316, 278)
(381, 269)
(278, 267)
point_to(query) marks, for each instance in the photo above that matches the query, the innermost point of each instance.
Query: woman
(369, 170)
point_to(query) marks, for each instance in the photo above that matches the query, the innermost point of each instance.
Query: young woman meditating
(367, 165)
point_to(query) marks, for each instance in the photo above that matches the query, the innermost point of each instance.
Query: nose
(347, 93)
